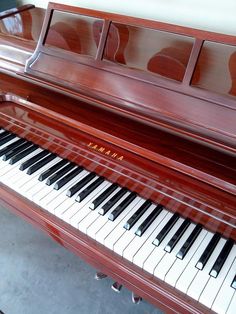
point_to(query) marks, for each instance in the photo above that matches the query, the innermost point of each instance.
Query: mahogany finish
(215, 59)
(25, 23)
(165, 139)
(73, 33)
(13, 11)
(141, 100)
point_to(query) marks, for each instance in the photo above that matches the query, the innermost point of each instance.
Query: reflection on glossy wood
(216, 68)
(73, 33)
(145, 49)
(178, 141)
(26, 24)
(162, 158)
(117, 40)
(13, 11)
(171, 62)
(232, 70)
(182, 108)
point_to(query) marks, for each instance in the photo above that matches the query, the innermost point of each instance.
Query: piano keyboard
(176, 250)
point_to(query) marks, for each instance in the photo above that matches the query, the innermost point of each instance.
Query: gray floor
(38, 276)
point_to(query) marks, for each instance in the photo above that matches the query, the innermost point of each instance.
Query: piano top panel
(164, 74)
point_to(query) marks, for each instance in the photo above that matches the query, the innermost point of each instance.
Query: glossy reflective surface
(177, 147)
(216, 68)
(26, 24)
(150, 50)
(74, 32)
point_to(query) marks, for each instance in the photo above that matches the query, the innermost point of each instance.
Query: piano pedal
(135, 298)
(98, 276)
(116, 287)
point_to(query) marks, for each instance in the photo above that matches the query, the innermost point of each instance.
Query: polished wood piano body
(148, 105)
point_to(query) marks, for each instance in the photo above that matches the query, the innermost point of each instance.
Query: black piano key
(11, 153)
(26, 164)
(59, 184)
(149, 220)
(22, 154)
(176, 237)
(4, 134)
(52, 169)
(115, 198)
(188, 243)
(208, 251)
(82, 182)
(119, 209)
(6, 139)
(11, 146)
(161, 235)
(101, 198)
(41, 163)
(233, 284)
(57, 175)
(82, 195)
(221, 258)
(137, 215)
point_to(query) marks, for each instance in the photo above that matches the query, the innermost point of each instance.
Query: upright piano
(118, 139)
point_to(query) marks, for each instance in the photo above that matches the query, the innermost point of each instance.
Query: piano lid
(177, 78)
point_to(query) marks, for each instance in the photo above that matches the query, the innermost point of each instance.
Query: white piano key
(36, 192)
(144, 252)
(64, 211)
(118, 230)
(232, 305)
(19, 180)
(169, 258)
(9, 142)
(62, 202)
(36, 188)
(56, 197)
(199, 282)
(132, 249)
(179, 265)
(2, 162)
(12, 172)
(93, 214)
(31, 186)
(85, 210)
(102, 220)
(155, 257)
(224, 296)
(13, 176)
(120, 245)
(31, 180)
(47, 189)
(110, 225)
(213, 286)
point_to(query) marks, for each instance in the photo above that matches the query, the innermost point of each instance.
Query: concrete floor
(38, 276)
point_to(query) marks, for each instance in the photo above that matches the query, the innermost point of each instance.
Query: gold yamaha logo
(105, 151)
